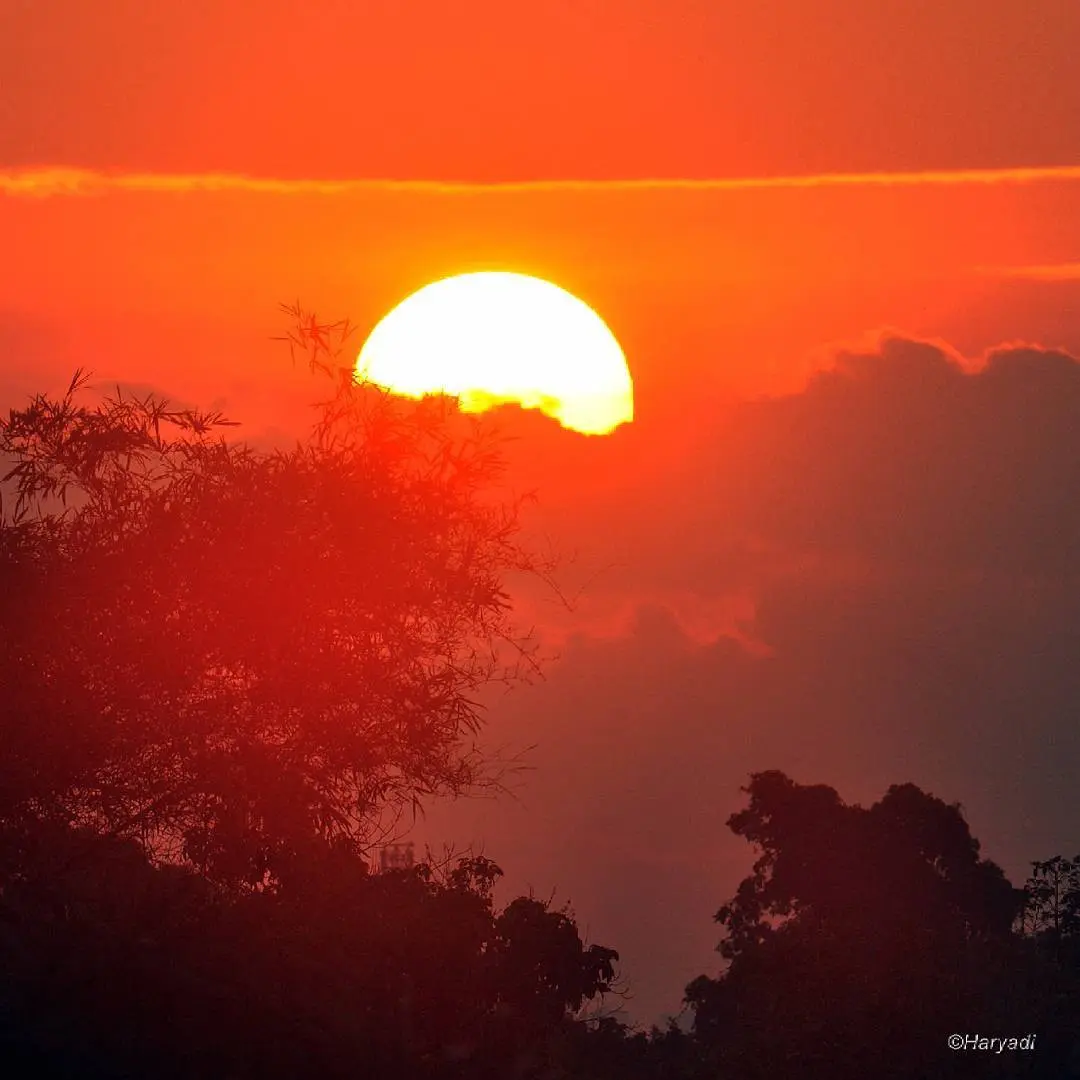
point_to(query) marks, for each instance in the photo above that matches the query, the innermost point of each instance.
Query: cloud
(899, 456)
(888, 662)
(62, 180)
(1069, 271)
(902, 452)
(915, 579)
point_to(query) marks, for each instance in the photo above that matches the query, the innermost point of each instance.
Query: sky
(840, 245)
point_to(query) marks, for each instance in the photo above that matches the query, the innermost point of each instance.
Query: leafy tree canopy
(880, 919)
(233, 653)
(111, 966)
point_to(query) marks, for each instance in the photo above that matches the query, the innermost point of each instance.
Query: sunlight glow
(493, 337)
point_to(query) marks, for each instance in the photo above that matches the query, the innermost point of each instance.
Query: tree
(223, 668)
(1051, 909)
(233, 654)
(860, 928)
(110, 966)
(1049, 923)
(542, 970)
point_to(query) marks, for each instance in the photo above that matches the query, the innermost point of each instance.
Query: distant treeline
(861, 942)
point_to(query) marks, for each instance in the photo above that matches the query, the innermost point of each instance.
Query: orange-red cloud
(56, 181)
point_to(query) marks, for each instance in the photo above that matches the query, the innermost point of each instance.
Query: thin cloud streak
(59, 181)
(1046, 272)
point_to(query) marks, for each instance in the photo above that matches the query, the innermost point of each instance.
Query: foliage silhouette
(114, 967)
(862, 939)
(231, 654)
(1051, 910)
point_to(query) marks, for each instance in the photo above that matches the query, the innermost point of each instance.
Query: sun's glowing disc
(494, 337)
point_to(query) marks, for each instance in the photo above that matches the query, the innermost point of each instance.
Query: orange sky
(482, 89)
(133, 248)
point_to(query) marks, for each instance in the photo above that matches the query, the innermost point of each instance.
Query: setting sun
(493, 337)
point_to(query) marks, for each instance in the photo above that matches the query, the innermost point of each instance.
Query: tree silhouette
(232, 654)
(1051, 910)
(542, 970)
(110, 966)
(881, 920)
(1050, 924)
(224, 668)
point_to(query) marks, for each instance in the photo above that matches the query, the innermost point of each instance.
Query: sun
(494, 337)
